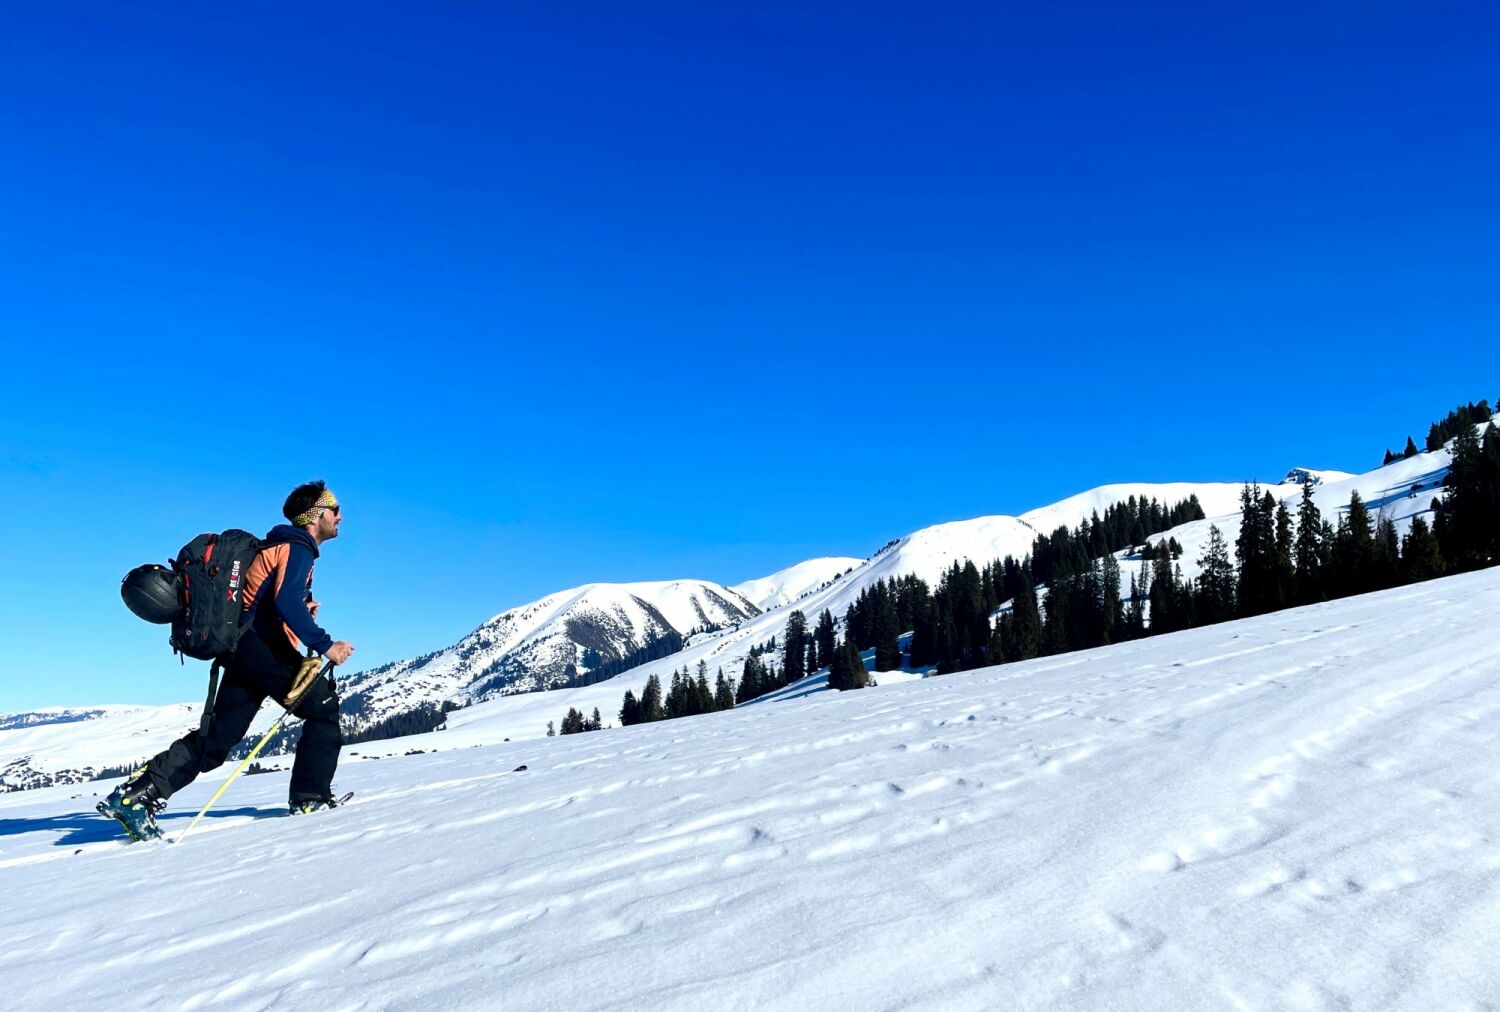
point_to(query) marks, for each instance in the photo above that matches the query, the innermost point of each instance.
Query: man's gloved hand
(304, 679)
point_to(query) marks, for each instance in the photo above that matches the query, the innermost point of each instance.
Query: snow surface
(1300, 810)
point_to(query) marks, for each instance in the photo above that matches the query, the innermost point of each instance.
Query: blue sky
(697, 291)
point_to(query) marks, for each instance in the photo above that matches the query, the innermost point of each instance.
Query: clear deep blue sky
(635, 292)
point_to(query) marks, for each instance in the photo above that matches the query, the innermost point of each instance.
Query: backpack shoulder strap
(208, 704)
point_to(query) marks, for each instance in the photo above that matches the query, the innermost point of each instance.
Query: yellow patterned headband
(325, 502)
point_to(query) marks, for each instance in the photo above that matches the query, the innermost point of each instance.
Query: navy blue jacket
(282, 573)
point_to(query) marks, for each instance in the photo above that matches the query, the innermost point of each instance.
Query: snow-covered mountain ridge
(795, 582)
(535, 646)
(543, 644)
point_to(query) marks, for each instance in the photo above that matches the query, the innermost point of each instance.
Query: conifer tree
(723, 692)
(839, 673)
(1135, 616)
(795, 664)
(1187, 600)
(1489, 484)
(1325, 553)
(994, 651)
(1255, 551)
(924, 630)
(859, 677)
(551, 731)
(1056, 635)
(630, 712)
(1216, 583)
(991, 589)
(1166, 610)
(1024, 635)
(1359, 556)
(972, 622)
(703, 696)
(1285, 564)
(751, 679)
(676, 704)
(824, 636)
(947, 637)
(1420, 557)
(1386, 569)
(887, 635)
(846, 670)
(1308, 551)
(651, 702)
(1411, 449)
(1464, 525)
(1112, 615)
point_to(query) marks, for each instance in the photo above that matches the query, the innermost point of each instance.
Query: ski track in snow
(1298, 811)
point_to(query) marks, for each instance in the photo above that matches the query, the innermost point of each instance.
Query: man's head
(315, 509)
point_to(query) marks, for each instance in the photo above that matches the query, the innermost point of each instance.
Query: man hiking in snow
(278, 617)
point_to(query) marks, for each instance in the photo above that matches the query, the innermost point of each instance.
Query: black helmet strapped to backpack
(200, 595)
(153, 593)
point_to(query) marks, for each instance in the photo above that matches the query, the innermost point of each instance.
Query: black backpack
(211, 571)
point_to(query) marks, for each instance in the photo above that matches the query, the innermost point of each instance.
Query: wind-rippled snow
(1295, 811)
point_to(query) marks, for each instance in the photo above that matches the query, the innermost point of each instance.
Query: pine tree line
(951, 626)
(806, 652)
(687, 696)
(1465, 416)
(1280, 563)
(600, 670)
(1278, 560)
(420, 720)
(122, 770)
(756, 679)
(576, 723)
(1124, 525)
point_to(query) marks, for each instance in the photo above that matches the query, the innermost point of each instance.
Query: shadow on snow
(91, 827)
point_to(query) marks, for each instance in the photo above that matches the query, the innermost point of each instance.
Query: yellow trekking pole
(310, 673)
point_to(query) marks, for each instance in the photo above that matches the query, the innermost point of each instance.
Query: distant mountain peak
(1303, 475)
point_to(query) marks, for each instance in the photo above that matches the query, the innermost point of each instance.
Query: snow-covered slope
(1300, 810)
(69, 746)
(794, 581)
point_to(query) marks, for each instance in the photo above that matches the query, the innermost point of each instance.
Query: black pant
(253, 673)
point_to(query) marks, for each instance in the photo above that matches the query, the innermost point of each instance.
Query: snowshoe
(134, 805)
(306, 806)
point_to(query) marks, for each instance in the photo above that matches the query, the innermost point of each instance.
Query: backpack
(211, 569)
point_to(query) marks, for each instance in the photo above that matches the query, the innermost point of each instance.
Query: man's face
(328, 523)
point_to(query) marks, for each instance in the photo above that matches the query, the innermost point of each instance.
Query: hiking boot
(134, 805)
(306, 806)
